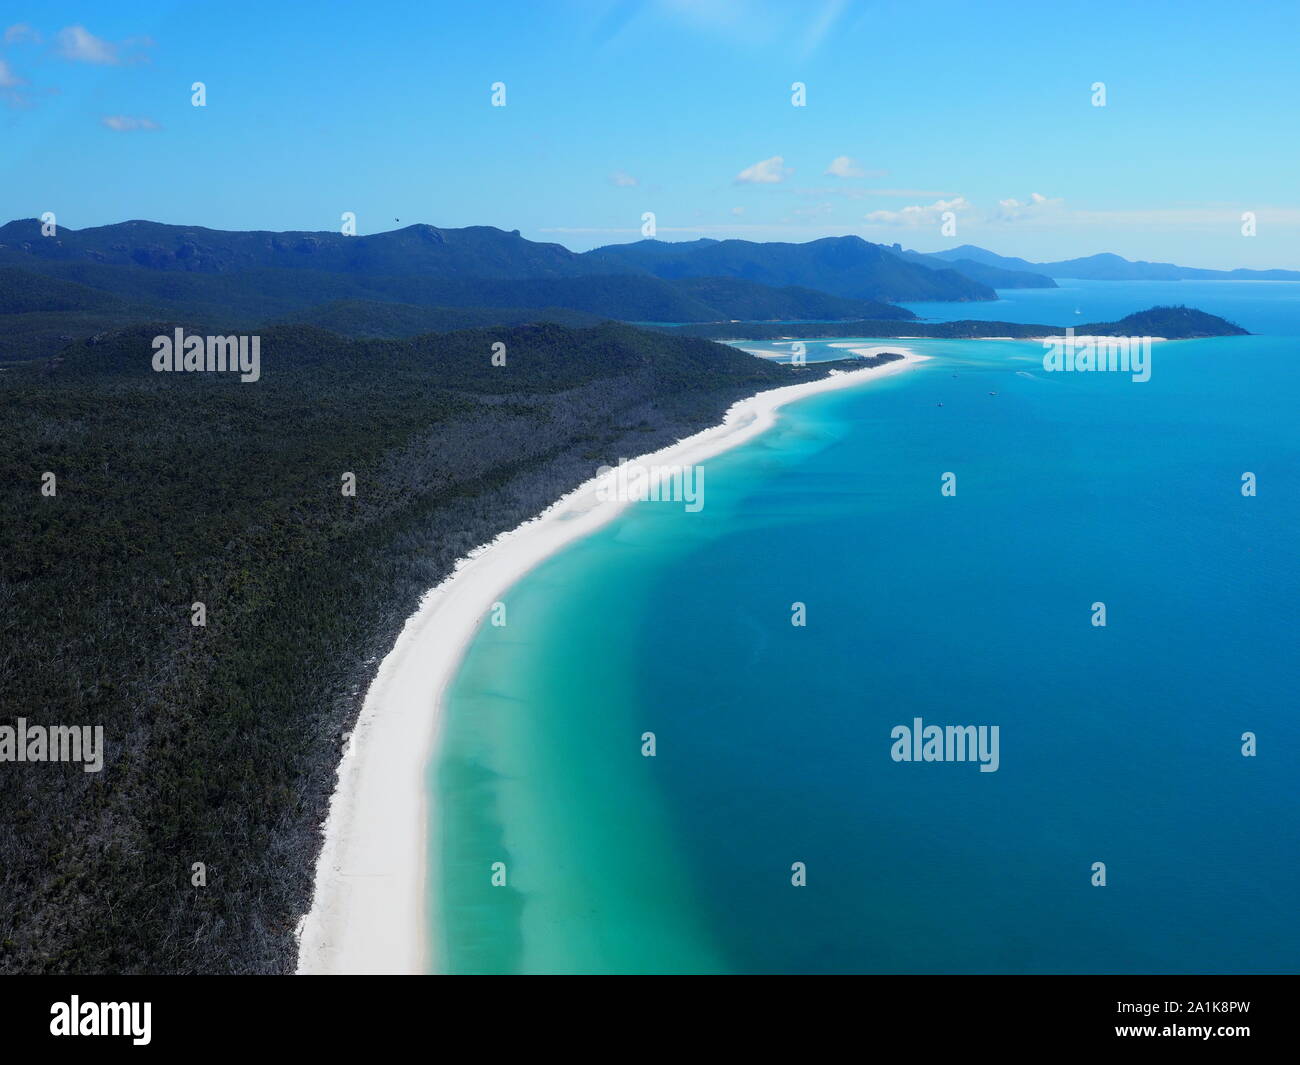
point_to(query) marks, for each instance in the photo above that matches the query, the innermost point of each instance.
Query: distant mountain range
(849, 267)
(423, 278)
(985, 273)
(475, 251)
(1104, 267)
(137, 269)
(843, 266)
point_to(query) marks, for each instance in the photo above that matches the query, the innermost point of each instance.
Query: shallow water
(1119, 744)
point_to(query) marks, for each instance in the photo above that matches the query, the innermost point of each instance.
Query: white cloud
(1035, 200)
(10, 93)
(125, 123)
(737, 211)
(79, 45)
(623, 179)
(844, 167)
(918, 215)
(1011, 210)
(20, 32)
(766, 172)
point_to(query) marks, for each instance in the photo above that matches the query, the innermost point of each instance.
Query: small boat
(992, 393)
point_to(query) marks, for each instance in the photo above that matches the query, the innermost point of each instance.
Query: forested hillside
(843, 266)
(59, 283)
(73, 299)
(172, 489)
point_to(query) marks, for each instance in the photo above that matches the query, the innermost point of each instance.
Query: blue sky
(681, 108)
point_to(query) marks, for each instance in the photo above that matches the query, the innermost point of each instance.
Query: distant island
(1171, 323)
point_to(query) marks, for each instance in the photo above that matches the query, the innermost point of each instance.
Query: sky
(912, 112)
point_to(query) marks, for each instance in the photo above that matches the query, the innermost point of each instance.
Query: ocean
(773, 758)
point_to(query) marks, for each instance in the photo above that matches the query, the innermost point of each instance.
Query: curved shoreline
(369, 911)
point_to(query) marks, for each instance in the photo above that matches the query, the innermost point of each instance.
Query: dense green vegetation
(222, 740)
(372, 318)
(200, 275)
(843, 266)
(41, 313)
(23, 292)
(51, 301)
(1172, 323)
(427, 251)
(735, 298)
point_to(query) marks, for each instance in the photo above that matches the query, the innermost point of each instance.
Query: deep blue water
(1119, 744)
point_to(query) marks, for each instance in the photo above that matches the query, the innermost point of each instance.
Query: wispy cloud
(78, 45)
(821, 26)
(623, 180)
(1012, 210)
(20, 33)
(10, 92)
(128, 124)
(765, 172)
(796, 28)
(744, 23)
(918, 214)
(844, 167)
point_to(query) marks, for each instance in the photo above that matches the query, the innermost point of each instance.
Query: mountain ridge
(844, 266)
(1107, 266)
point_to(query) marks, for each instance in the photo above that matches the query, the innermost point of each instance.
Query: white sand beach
(370, 906)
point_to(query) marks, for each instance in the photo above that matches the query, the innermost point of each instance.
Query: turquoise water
(1271, 307)
(1119, 744)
